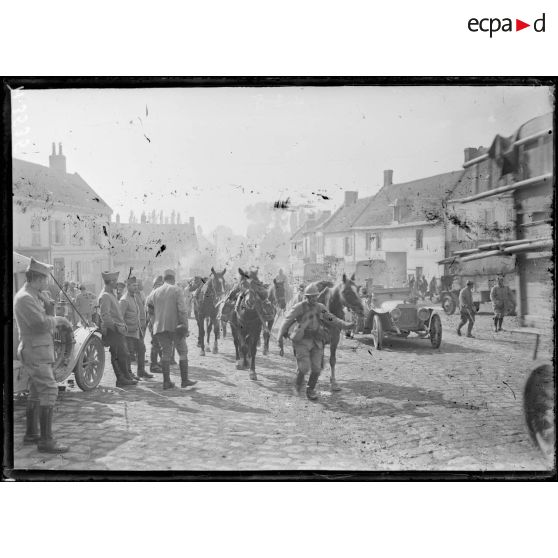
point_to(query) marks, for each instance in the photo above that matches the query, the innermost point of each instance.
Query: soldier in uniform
(120, 287)
(167, 313)
(133, 313)
(83, 304)
(467, 309)
(502, 301)
(113, 329)
(36, 351)
(308, 340)
(155, 354)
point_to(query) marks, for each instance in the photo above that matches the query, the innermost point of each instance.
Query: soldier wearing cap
(167, 313)
(36, 351)
(502, 303)
(120, 288)
(133, 313)
(83, 304)
(308, 339)
(467, 309)
(113, 329)
(156, 352)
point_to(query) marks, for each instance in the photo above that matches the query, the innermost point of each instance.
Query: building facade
(61, 220)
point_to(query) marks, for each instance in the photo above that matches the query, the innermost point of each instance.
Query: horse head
(218, 281)
(348, 292)
(280, 294)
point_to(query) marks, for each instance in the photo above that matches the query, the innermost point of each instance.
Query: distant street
(406, 407)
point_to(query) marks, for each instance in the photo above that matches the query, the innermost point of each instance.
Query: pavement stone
(406, 407)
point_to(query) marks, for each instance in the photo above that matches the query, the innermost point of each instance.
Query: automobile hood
(387, 306)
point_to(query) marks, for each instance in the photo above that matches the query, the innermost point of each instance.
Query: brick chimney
(57, 162)
(351, 197)
(388, 177)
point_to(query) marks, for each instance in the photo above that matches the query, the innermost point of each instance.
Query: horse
(277, 295)
(247, 321)
(205, 299)
(335, 298)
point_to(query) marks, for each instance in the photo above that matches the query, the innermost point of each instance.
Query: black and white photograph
(280, 276)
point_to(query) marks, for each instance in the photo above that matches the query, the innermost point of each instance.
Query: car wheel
(448, 304)
(377, 332)
(436, 331)
(90, 365)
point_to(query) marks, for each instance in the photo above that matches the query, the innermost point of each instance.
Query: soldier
(155, 346)
(467, 309)
(113, 329)
(502, 301)
(167, 313)
(308, 339)
(120, 287)
(83, 304)
(36, 351)
(133, 313)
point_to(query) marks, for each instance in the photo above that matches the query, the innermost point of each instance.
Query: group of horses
(251, 307)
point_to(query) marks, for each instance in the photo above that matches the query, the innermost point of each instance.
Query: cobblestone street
(406, 407)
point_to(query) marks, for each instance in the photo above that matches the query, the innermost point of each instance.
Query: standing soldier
(467, 309)
(502, 301)
(155, 353)
(308, 340)
(113, 329)
(133, 313)
(36, 351)
(120, 287)
(83, 304)
(167, 313)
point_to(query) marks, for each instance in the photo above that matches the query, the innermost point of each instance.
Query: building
(147, 248)
(61, 220)
(521, 183)
(401, 231)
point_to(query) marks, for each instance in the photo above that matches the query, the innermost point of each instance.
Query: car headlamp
(423, 314)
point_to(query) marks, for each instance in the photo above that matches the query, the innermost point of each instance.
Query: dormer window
(396, 210)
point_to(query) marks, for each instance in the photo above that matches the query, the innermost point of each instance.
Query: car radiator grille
(408, 318)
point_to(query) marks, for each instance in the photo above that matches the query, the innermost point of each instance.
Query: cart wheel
(436, 331)
(448, 304)
(377, 332)
(91, 364)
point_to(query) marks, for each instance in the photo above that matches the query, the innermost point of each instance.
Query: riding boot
(311, 389)
(185, 382)
(165, 366)
(46, 442)
(299, 382)
(500, 322)
(495, 324)
(121, 379)
(142, 373)
(32, 418)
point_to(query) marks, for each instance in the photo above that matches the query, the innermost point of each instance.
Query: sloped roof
(346, 216)
(311, 225)
(420, 200)
(38, 183)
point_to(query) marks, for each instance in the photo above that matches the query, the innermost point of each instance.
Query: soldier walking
(502, 302)
(467, 309)
(309, 337)
(167, 313)
(133, 313)
(113, 329)
(36, 351)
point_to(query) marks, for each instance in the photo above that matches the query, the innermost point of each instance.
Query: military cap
(169, 272)
(470, 282)
(110, 275)
(131, 280)
(39, 267)
(158, 280)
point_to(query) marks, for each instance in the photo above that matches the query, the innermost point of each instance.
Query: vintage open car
(396, 312)
(79, 351)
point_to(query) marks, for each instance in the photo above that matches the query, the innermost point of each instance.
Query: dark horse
(247, 321)
(205, 299)
(276, 294)
(335, 298)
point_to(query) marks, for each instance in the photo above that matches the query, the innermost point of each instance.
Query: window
(320, 244)
(378, 241)
(58, 232)
(418, 272)
(76, 235)
(509, 216)
(78, 272)
(348, 246)
(59, 269)
(396, 213)
(369, 238)
(419, 239)
(35, 231)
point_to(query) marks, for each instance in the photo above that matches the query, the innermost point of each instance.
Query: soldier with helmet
(36, 351)
(313, 319)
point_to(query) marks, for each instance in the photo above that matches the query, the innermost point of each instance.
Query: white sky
(212, 151)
